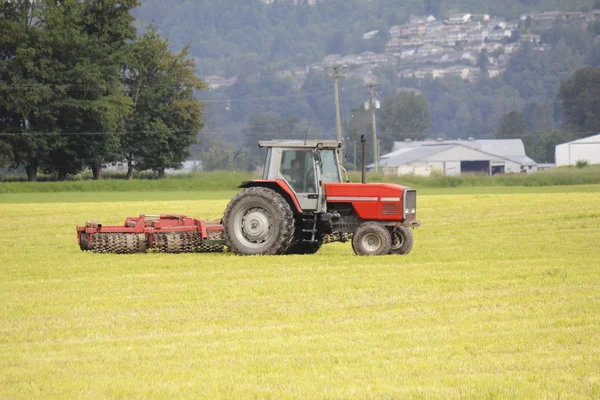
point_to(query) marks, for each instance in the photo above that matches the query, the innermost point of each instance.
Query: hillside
(225, 35)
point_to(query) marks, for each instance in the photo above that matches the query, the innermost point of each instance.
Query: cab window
(267, 165)
(330, 171)
(298, 170)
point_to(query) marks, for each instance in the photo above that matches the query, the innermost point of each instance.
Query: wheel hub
(256, 226)
(371, 242)
(397, 240)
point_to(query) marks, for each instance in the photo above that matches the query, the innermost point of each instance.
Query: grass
(103, 197)
(499, 299)
(228, 181)
(552, 177)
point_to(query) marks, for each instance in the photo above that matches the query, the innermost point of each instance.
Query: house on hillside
(214, 82)
(456, 19)
(370, 35)
(421, 19)
(457, 157)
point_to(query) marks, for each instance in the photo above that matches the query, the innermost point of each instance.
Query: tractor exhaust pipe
(363, 143)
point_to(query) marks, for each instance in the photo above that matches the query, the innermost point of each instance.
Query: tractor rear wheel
(258, 221)
(371, 239)
(402, 240)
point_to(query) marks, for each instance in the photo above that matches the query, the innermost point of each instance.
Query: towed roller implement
(156, 233)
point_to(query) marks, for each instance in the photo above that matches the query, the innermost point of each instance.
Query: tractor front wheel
(402, 240)
(371, 239)
(258, 221)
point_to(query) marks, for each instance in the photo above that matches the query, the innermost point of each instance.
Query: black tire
(83, 242)
(258, 221)
(371, 239)
(402, 240)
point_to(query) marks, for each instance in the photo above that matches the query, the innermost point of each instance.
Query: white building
(456, 157)
(586, 149)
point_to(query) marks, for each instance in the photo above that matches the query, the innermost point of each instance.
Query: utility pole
(338, 124)
(374, 124)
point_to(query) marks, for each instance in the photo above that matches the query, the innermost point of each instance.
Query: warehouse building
(456, 157)
(586, 149)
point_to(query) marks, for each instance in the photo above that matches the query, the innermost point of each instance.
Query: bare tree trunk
(129, 168)
(31, 171)
(62, 174)
(161, 173)
(96, 173)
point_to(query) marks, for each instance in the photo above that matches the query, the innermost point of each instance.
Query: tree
(404, 116)
(512, 126)
(433, 7)
(580, 100)
(224, 157)
(27, 114)
(89, 42)
(540, 145)
(166, 116)
(6, 155)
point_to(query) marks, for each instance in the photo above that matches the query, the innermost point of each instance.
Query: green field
(500, 298)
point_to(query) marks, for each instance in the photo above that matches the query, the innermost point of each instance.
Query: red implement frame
(152, 224)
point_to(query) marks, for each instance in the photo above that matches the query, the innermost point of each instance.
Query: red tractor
(300, 203)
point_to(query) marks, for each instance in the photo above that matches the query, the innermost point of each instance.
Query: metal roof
(590, 139)
(408, 155)
(303, 144)
(511, 149)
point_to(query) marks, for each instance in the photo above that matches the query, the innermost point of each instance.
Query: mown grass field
(500, 298)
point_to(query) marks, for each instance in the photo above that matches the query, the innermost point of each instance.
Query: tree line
(79, 89)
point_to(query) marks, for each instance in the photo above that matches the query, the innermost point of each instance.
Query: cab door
(299, 169)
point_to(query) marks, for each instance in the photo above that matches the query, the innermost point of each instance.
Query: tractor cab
(305, 166)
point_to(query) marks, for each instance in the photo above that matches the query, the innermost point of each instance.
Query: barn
(586, 149)
(456, 157)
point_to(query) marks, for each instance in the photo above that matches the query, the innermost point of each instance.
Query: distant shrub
(582, 164)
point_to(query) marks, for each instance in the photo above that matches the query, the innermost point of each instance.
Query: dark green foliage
(512, 126)
(540, 145)
(6, 155)
(580, 100)
(166, 116)
(404, 116)
(88, 43)
(28, 109)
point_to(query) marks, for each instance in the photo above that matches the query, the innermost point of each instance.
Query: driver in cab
(296, 174)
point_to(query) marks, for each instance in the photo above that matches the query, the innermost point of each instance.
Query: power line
(206, 101)
(94, 133)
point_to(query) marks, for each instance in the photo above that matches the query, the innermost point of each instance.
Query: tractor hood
(375, 201)
(374, 191)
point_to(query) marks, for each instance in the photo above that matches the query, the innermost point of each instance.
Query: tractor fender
(280, 186)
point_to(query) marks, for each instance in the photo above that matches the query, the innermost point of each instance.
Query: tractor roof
(308, 144)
